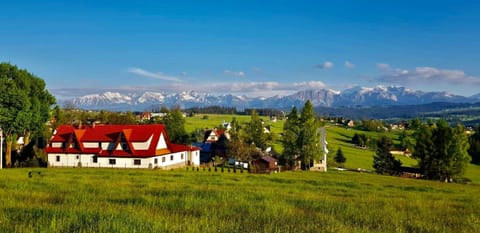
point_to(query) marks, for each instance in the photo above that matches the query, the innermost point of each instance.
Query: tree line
(24, 107)
(442, 152)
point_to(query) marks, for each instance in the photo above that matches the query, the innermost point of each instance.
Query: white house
(118, 146)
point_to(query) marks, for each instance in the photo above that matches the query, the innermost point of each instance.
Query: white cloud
(425, 75)
(326, 65)
(234, 73)
(383, 66)
(148, 74)
(349, 65)
(309, 85)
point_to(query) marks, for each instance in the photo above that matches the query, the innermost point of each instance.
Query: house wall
(161, 144)
(90, 144)
(142, 145)
(67, 160)
(162, 161)
(194, 157)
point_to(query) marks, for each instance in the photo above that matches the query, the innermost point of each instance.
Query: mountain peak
(355, 96)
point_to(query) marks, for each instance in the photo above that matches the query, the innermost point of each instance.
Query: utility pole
(1, 148)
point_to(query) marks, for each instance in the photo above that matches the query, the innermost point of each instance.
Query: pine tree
(255, 132)
(442, 151)
(308, 141)
(383, 161)
(291, 130)
(339, 157)
(474, 150)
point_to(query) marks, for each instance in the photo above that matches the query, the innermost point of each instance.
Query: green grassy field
(117, 200)
(128, 200)
(215, 120)
(337, 136)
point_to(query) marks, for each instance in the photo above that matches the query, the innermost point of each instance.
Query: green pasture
(118, 200)
(210, 121)
(337, 136)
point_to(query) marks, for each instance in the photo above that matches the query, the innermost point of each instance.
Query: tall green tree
(291, 131)
(339, 157)
(24, 105)
(474, 149)
(255, 132)
(175, 124)
(442, 151)
(237, 146)
(308, 141)
(383, 161)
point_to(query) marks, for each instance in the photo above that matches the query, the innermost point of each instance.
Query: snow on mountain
(475, 98)
(352, 97)
(150, 96)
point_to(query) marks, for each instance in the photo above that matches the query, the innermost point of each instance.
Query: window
(124, 146)
(95, 159)
(163, 159)
(155, 161)
(137, 162)
(78, 157)
(171, 157)
(181, 156)
(58, 158)
(112, 161)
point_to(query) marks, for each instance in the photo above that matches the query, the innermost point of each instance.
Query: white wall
(86, 160)
(142, 145)
(161, 144)
(90, 144)
(67, 160)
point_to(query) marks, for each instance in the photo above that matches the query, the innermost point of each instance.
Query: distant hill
(464, 112)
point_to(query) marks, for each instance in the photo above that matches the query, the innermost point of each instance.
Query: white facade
(183, 158)
(118, 146)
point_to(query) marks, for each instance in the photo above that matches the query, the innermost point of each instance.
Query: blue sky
(245, 47)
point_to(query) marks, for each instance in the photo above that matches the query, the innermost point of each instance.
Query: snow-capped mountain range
(353, 97)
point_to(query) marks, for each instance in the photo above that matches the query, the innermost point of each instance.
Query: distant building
(273, 118)
(265, 164)
(350, 123)
(118, 146)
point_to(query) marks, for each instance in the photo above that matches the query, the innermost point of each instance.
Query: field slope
(112, 200)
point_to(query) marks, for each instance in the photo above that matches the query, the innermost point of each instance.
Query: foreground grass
(110, 200)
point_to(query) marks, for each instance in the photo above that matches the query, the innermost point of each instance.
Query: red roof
(73, 138)
(217, 132)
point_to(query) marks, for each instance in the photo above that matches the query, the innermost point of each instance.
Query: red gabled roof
(115, 134)
(217, 132)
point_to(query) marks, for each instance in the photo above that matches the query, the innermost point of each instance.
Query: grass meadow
(129, 200)
(337, 137)
(118, 200)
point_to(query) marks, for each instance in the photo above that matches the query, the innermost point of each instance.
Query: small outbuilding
(266, 164)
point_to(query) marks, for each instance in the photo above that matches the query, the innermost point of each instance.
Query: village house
(265, 164)
(398, 126)
(350, 123)
(213, 144)
(118, 146)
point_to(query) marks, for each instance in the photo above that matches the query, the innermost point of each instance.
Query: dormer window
(124, 146)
